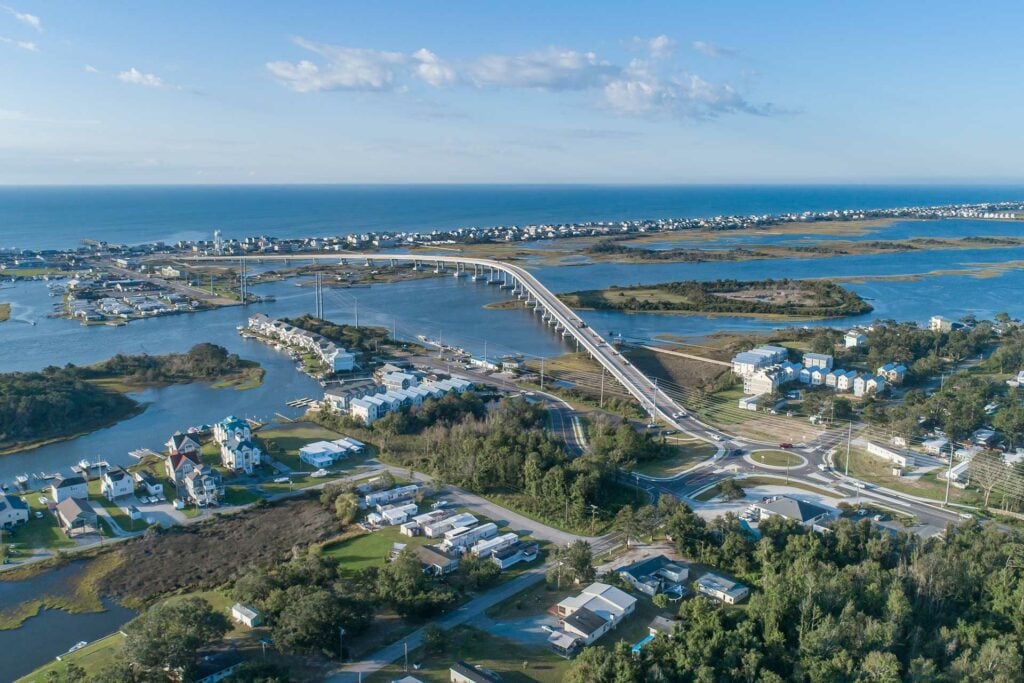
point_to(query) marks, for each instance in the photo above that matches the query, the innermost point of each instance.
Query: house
(894, 373)
(203, 486)
(398, 514)
(661, 625)
(463, 672)
(595, 611)
(213, 666)
(818, 377)
(986, 438)
(845, 381)
(366, 409)
(897, 456)
(394, 381)
(240, 456)
(13, 510)
(76, 516)
(460, 539)
(322, 453)
(762, 381)
(514, 554)
(179, 465)
(489, 546)
(116, 482)
(232, 428)
(245, 615)
(854, 339)
(935, 445)
(832, 378)
(436, 561)
(866, 385)
(70, 487)
(748, 362)
(722, 589)
(442, 526)
(340, 396)
(183, 443)
(790, 507)
(822, 361)
(397, 493)
(805, 375)
(653, 575)
(149, 483)
(937, 323)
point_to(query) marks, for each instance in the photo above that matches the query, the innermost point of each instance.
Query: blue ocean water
(59, 217)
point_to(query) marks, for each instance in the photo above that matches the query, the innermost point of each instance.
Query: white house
(514, 554)
(832, 378)
(818, 376)
(116, 482)
(866, 384)
(938, 323)
(488, 547)
(149, 483)
(722, 589)
(70, 487)
(899, 457)
(440, 527)
(322, 453)
(936, 445)
(245, 615)
(595, 611)
(384, 497)
(844, 382)
(854, 339)
(817, 360)
(203, 486)
(399, 380)
(13, 510)
(240, 455)
(461, 538)
(762, 381)
(183, 443)
(398, 514)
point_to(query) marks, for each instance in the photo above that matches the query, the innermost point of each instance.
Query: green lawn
(369, 549)
(533, 601)
(283, 441)
(761, 480)
(776, 458)
(38, 533)
(119, 515)
(92, 657)
(871, 468)
(515, 663)
(685, 456)
(239, 495)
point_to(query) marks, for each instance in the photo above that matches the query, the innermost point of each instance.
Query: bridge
(523, 284)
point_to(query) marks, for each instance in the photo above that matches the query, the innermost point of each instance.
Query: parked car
(785, 445)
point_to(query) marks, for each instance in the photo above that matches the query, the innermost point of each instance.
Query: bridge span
(656, 402)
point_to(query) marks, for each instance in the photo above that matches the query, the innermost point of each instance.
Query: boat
(21, 479)
(77, 646)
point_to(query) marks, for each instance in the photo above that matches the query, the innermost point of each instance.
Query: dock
(140, 453)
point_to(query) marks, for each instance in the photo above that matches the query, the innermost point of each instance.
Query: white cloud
(20, 44)
(550, 69)
(431, 69)
(713, 51)
(649, 87)
(24, 17)
(347, 68)
(136, 77)
(90, 69)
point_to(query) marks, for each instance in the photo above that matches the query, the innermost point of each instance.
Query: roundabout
(773, 459)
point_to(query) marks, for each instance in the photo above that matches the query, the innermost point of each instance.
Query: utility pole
(601, 404)
(849, 435)
(341, 643)
(949, 474)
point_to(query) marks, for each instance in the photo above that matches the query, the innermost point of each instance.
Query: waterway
(42, 637)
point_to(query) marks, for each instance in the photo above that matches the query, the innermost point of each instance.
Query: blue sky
(567, 92)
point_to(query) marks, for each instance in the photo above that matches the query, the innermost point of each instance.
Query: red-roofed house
(179, 465)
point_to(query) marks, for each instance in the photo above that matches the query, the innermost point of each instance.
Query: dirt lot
(209, 554)
(683, 372)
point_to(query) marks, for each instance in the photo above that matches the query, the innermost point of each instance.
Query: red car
(785, 445)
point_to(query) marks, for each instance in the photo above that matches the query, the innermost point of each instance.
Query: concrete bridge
(522, 283)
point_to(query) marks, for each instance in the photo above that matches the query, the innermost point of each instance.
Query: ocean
(60, 217)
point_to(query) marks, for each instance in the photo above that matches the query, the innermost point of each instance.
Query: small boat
(84, 463)
(77, 646)
(21, 479)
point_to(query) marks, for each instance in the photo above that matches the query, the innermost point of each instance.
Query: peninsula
(788, 298)
(60, 403)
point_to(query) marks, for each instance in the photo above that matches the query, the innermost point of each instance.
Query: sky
(673, 92)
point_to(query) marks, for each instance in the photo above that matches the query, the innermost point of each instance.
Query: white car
(282, 480)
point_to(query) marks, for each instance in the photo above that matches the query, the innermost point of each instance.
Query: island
(5, 312)
(785, 298)
(60, 403)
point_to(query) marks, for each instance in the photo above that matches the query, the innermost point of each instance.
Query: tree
(987, 471)
(167, 636)
(346, 507)
(731, 489)
(435, 639)
(309, 621)
(626, 523)
(573, 563)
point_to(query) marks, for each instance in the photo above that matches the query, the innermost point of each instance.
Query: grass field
(239, 495)
(38, 533)
(776, 458)
(283, 441)
(515, 663)
(533, 601)
(686, 455)
(871, 468)
(93, 657)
